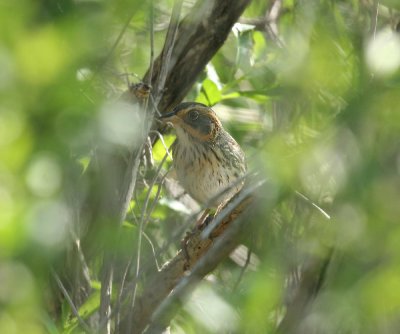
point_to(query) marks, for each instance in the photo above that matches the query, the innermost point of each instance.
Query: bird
(210, 165)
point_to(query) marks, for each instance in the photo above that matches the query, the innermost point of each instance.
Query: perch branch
(163, 282)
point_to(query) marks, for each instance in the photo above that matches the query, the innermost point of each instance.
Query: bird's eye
(193, 115)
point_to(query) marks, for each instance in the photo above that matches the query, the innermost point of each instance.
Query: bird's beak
(170, 117)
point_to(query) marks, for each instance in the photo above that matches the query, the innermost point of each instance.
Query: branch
(167, 51)
(75, 311)
(200, 254)
(201, 33)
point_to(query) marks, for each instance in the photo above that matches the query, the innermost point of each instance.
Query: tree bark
(200, 34)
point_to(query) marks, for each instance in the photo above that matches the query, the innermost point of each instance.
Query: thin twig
(122, 285)
(139, 243)
(151, 69)
(169, 46)
(304, 197)
(271, 22)
(119, 299)
(153, 250)
(154, 203)
(141, 228)
(155, 107)
(151, 41)
(376, 17)
(161, 137)
(75, 311)
(105, 293)
(81, 258)
(243, 269)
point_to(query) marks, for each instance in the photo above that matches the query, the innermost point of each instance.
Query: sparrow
(210, 165)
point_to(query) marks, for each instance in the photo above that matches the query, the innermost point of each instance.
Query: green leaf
(259, 46)
(88, 308)
(209, 94)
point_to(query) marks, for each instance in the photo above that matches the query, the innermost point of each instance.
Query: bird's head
(195, 119)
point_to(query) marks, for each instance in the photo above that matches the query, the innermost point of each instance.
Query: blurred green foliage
(315, 105)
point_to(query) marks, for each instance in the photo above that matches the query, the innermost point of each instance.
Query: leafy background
(313, 97)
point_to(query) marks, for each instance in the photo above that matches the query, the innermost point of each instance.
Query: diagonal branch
(201, 255)
(200, 34)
